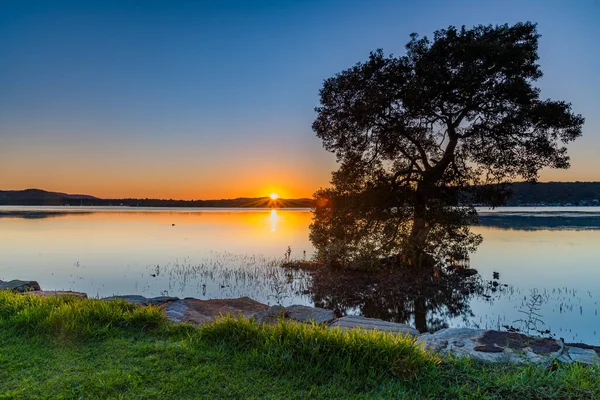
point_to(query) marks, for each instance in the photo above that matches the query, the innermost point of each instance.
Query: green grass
(69, 348)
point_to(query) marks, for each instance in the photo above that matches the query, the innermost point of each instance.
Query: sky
(200, 100)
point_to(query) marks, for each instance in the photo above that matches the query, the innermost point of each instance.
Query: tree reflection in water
(426, 300)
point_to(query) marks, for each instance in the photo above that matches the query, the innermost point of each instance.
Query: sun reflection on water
(273, 218)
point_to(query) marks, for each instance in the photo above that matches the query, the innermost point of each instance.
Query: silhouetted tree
(450, 123)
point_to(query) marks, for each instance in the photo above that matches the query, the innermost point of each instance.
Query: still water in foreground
(546, 261)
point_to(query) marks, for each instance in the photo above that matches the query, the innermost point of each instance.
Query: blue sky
(192, 99)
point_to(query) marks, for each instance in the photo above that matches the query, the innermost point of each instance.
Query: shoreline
(485, 345)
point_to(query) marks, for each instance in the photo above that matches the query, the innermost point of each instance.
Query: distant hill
(37, 197)
(524, 194)
(40, 197)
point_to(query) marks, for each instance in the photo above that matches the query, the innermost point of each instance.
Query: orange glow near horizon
(174, 188)
(179, 177)
(135, 178)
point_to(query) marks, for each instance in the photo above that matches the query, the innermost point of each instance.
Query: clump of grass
(291, 346)
(72, 317)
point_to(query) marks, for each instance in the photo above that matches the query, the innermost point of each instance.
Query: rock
(20, 286)
(157, 301)
(513, 340)
(442, 339)
(178, 311)
(309, 314)
(488, 348)
(47, 293)
(356, 321)
(585, 356)
(143, 301)
(585, 346)
(493, 346)
(132, 298)
(199, 312)
(437, 346)
(271, 316)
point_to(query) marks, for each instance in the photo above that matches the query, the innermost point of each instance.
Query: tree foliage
(421, 137)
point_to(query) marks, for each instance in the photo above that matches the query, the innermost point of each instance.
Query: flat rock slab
(585, 346)
(49, 293)
(143, 301)
(356, 321)
(513, 340)
(309, 314)
(20, 286)
(493, 346)
(585, 356)
(199, 312)
(129, 297)
(161, 300)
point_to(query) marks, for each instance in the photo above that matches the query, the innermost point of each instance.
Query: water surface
(217, 253)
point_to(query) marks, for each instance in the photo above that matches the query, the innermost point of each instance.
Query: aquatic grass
(230, 275)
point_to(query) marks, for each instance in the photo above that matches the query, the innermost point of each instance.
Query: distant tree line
(523, 194)
(36, 197)
(555, 193)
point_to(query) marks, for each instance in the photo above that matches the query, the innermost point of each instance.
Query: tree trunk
(420, 229)
(418, 233)
(420, 311)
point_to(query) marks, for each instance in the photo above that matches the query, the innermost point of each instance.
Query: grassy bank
(71, 348)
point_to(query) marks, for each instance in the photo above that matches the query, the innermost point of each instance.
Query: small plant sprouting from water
(532, 322)
(280, 291)
(287, 255)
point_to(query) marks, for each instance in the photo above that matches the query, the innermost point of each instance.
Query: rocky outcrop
(199, 312)
(370, 324)
(498, 346)
(20, 286)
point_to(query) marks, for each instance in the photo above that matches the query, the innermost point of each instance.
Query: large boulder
(309, 314)
(493, 345)
(199, 312)
(357, 321)
(20, 286)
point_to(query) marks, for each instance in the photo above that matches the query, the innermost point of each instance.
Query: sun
(274, 196)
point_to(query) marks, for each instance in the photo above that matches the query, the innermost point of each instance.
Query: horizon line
(221, 199)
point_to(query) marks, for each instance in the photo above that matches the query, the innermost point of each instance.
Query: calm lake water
(548, 255)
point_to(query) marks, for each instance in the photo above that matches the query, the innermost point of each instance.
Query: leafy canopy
(449, 124)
